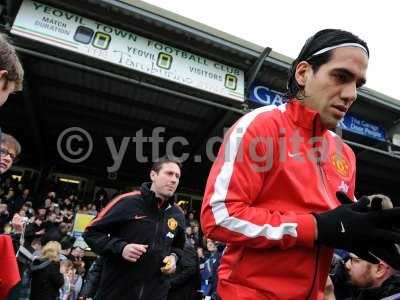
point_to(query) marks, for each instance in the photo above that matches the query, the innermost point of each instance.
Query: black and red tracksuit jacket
(136, 218)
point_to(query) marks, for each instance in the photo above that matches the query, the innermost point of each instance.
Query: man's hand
(329, 290)
(388, 252)
(132, 252)
(170, 265)
(17, 223)
(63, 269)
(40, 232)
(351, 226)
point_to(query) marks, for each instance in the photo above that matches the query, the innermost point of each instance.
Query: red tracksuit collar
(305, 117)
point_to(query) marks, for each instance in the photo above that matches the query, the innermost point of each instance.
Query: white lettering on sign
(263, 95)
(70, 31)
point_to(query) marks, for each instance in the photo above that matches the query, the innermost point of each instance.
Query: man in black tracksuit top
(140, 235)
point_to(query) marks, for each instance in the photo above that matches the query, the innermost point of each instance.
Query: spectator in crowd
(185, 282)
(191, 219)
(53, 231)
(26, 195)
(41, 213)
(16, 202)
(9, 151)
(27, 207)
(72, 281)
(80, 267)
(92, 209)
(68, 216)
(83, 209)
(92, 280)
(101, 199)
(36, 247)
(4, 216)
(47, 203)
(21, 201)
(197, 236)
(189, 235)
(46, 276)
(210, 270)
(374, 281)
(140, 235)
(8, 194)
(37, 226)
(67, 204)
(77, 253)
(200, 254)
(66, 247)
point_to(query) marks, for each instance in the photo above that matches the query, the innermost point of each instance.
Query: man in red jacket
(271, 193)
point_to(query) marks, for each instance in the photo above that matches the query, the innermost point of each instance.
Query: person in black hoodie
(92, 280)
(185, 282)
(4, 216)
(46, 276)
(140, 234)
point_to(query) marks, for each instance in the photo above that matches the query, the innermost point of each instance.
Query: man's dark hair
(157, 165)
(322, 39)
(10, 62)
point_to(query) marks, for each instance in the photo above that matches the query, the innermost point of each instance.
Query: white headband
(339, 46)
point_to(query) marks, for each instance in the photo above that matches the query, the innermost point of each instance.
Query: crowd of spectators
(61, 265)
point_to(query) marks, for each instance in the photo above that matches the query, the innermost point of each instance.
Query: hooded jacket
(46, 280)
(389, 290)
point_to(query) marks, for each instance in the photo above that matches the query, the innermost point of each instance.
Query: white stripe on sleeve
(221, 185)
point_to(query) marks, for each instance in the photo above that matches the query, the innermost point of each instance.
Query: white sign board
(69, 31)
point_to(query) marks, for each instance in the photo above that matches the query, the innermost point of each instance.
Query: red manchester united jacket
(276, 166)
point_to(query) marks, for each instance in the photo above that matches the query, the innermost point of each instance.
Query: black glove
(365, 204)
(350, 228)
(388, 252)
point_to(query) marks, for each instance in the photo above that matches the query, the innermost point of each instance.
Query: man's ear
(3, 79)
(3, 74)
(381, 270)
(302, 72)
(152, 174)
